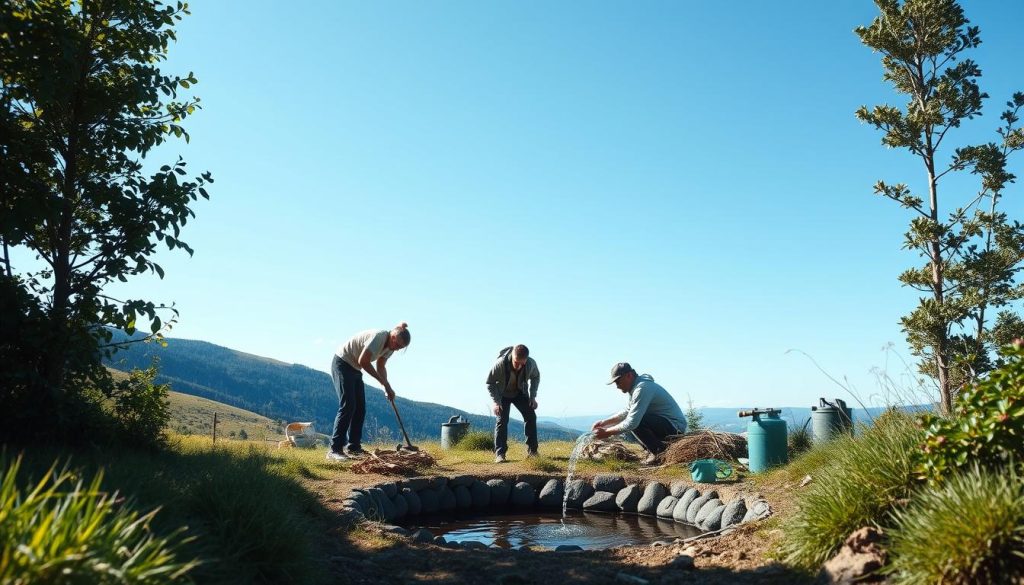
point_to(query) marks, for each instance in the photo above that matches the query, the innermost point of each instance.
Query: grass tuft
(971, 530)
(866, 477)
(476, 441)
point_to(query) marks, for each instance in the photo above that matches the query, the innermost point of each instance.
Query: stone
(480, 495)
(464, 480)
(412, 501)
(535, 481)
(523, 495)
(500, 490)
(654, 493)
(678, 488)
(568, 548)
(390, 489)
(447, 499)
(438, 482)
(608, 482)
(352, 504)
(734, 512)
(713, 521)
(416, 483)
(551, 494)
(666, 506)
(439, 540)
(474, 545)
(682, 562)
(360, 498)
(423, 535)
(757, 510)
(679, 513)
(601, 502)
(396, 530)
(463, 501)
(577, 492)
(860, 556)
(430, 500)
(697, 504)
(627, 498)
(401, 506)
(708, 507)
(380, 507)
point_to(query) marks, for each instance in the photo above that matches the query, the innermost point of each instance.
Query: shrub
(141, 408)
(867, 477)
(986, 428)
(799, 440)
(969, 530)
(57, 532)
(476, 441)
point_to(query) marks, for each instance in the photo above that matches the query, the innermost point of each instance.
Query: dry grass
(705, 445)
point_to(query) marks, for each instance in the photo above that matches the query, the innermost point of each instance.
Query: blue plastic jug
(709, 470)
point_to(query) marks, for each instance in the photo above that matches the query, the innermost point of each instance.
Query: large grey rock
(536, 481)
(551, 494)
(390, 489)
(447, 499)
(430, 500)
(380, 508)
(458, 480)
(360, 498)
(654, 493)
(500, 491)
(480, 494)
(400, 505)
(758, 509)
(695, 506)
(666, 506)
(438, 482)
(627, 498)
(679, 513)
(463, 500)
(608, 482)
(713, 520)
(601, 502)
(705, 510)
(412, 501)
(733, 512)
(416, 483)
(523, 495)
(422, 535)
(678, 488)
(439, 540)
(577, 492)
(397, 530)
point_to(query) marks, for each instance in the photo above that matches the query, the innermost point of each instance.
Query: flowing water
(589, 530)
(577, 450)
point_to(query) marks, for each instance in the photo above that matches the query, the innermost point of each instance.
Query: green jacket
(498, 377)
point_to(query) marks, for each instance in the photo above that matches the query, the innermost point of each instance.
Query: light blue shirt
(645, 397)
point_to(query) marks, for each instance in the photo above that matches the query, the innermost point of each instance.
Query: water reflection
(588, 530)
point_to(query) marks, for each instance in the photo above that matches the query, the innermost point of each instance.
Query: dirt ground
(365, 555)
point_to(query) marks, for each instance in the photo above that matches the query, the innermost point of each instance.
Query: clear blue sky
(680, 185)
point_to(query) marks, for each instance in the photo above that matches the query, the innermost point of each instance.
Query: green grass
(857, 482)
(969, 530)
(476, 441)
(63, 529)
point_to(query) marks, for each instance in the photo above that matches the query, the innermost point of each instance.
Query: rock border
(391, 501)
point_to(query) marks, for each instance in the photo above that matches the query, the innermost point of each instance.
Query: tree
(82, 104)
(973, 252)
(694, 417)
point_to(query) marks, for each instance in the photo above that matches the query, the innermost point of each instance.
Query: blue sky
(680, 185)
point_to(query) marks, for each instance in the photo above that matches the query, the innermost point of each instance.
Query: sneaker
(500, 459)
(651, 459)
(532, 454)
(334, 456)
(355, 453)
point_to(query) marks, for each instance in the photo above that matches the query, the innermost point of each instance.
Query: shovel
(408, 446)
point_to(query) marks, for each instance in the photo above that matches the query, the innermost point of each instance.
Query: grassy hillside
(192, 415)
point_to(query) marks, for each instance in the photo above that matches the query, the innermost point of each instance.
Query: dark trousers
(348, 425)
(652, 432)
(522, 404)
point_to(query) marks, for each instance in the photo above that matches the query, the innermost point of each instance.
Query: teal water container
(767, 435)
(830, 419)
(453, 431)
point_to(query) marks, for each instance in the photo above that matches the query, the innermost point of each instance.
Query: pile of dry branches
(705, 445)
(610, 449)
(387, 462)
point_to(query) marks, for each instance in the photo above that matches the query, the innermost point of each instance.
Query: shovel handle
(400, 425)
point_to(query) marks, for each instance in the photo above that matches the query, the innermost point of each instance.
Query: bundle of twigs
(705, 445)
(608, 449)
(388, 462)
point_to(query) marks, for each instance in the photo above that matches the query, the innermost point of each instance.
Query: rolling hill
(291, 392)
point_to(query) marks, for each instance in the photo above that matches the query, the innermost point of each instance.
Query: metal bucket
(829, 419)
(453, 430)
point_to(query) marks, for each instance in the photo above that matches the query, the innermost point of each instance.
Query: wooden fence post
(215, 427)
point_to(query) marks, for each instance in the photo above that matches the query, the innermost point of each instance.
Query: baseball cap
(620, 369)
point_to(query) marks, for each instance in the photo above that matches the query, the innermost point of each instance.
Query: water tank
(829, 419)
(453, 430)
(767, 444)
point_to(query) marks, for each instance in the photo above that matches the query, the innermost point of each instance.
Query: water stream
(577, 450)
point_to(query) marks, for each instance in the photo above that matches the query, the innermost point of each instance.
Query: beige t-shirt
(373, 339)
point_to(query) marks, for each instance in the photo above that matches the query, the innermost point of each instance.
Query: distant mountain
(725, 419)
(291, 392)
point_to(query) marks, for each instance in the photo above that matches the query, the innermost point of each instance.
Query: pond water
(585, 529)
